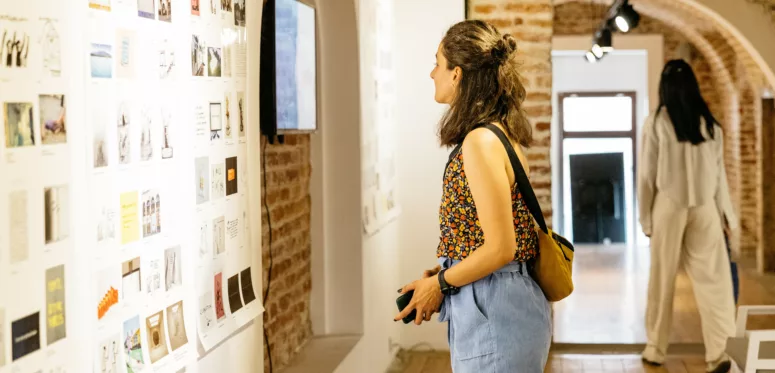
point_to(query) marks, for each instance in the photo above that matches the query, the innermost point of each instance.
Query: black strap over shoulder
(521, 177)
(452, 156)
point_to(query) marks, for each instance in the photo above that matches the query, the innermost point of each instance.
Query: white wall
(399, 252)
(420, 160)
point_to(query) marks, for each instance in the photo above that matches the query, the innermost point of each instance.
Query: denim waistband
(513, 267)
(519, 267)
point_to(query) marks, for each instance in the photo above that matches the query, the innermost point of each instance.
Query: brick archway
(738, 81)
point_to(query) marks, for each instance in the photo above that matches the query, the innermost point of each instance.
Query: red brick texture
(530, 21)
(287, 317)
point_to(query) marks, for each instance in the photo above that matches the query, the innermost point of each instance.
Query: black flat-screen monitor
(288, 67)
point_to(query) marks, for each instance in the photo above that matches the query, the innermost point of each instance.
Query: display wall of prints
(36, 244)
(217, 191)
(142, 277)
(378, 145)
(110, 245)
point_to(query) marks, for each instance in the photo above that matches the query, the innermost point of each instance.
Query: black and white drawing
(19, 220)
(172, 268)
(219, 236)
(218, 181)
(57, 213)
(152, 274)
(166, 59)
(198, 55)
(202, 179)
(239, 13)
(50, 47)
(204, 241)
(124, 134)
(15, 43)
(146, 134)
(216, 120)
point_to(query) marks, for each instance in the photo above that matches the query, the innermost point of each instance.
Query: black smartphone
(402, 302)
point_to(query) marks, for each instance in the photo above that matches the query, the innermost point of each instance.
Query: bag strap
(521, 177)
(452, 156)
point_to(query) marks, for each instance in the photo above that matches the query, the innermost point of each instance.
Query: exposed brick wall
(287, 317)
(768, 6)
(579, 18)
(530, 21)
(750, 170)
(768, 189)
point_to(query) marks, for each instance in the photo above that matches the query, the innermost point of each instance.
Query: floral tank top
(461, 232)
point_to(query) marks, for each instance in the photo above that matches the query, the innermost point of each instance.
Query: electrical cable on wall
(269, 243)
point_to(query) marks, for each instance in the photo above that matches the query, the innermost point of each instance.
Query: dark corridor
(597, 198)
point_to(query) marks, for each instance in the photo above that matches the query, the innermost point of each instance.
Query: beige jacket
(690, 175)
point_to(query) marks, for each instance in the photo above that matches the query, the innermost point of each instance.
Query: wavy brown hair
(490, 89)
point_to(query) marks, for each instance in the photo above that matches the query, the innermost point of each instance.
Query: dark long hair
(679, 92)
(491, 88)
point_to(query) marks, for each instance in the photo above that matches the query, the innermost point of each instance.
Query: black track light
(603, 41)
(627, 18)
(591, 57)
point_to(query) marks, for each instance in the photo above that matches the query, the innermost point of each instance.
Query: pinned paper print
(157, 342)
(53, 127)
(55, 304)
(109, 355)
(151, 213)
(176, 326)
(51, 47)
(246, 282)
(220, 313)
(57, 213)
(25, 336)
(172, 268)
(165, 10)
(130, 226)
(108, 300)
(131, 278)
(235, 300)
(133, 346)
(19, 226)
(19, 124)
(145, 9)
(231, 176)
(101, 60)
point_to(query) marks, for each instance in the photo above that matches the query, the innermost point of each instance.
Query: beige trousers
(694, 238)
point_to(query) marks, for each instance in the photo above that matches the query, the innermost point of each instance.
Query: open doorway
(598, 142)
(600, 109)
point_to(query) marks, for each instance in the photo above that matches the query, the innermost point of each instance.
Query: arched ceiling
(685, 16)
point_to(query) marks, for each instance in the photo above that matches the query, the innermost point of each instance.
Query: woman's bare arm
(485, 166)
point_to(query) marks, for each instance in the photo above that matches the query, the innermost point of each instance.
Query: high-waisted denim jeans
(499, 324)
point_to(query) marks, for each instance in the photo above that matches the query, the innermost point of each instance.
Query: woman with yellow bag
(499, 315)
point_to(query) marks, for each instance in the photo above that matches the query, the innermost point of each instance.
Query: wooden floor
(607, 308)
(438, 362)
(609, 301)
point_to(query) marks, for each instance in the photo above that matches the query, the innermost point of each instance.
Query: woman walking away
(685, 208)
(498, 316)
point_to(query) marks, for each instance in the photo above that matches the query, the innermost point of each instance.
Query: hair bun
(504, 48)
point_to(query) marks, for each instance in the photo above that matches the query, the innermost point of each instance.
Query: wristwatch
(446, 288)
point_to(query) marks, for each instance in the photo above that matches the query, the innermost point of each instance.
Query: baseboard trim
(322, 354)
(623, 349)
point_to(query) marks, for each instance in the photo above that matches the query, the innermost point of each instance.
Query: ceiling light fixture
(626, 18)
(590, 56)
(603, 40)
